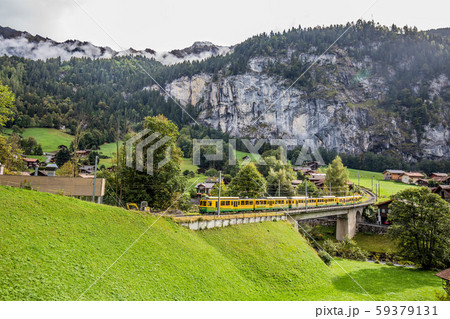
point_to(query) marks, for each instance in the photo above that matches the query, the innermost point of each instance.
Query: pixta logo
(143, 139)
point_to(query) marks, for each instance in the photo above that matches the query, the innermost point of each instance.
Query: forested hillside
(379, 89)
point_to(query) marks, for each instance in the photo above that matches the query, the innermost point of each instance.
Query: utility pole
(95, 178)
(279, 188)
(218, 199)
(306, 194)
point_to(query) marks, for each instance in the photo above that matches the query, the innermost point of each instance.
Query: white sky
(171, 24)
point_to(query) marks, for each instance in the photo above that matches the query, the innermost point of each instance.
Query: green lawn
(188, 165)
(375, 243)
(110, 150)
(388, 188)
(54, 247)
(49, 138)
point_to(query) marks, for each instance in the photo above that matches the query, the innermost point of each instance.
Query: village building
(82, 153)
(87, 169)
(445, 276)
(443, 191)
(296, 182)
(207, 186)
(423, 182)
(383, 212)
(411, 178)
(392, 175)
(438, 175)
(31, 162)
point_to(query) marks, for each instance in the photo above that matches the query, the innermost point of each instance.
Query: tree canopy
(337, 178)
(248, 182)
(421, 226)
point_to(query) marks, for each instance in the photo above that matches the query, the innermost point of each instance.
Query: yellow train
(236, 204)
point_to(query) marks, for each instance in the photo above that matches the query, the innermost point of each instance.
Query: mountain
(379, 89)
(23, 44)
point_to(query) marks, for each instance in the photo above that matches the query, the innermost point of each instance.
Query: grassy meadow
(388, 188)
(55, 247)
(49, 138)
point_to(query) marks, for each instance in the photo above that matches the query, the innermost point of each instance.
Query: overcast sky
(170, 24)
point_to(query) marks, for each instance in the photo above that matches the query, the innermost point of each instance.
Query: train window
(222, 202)
(227, 203)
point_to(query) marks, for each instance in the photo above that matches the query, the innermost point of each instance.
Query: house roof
(385, 202)
(413, 174)
(439, 174)
(296, 181)
(445, 274)
(394, 171)
(440, 178)
(206, 185)
(30, 159)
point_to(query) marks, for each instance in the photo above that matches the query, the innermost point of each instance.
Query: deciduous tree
(421, 226)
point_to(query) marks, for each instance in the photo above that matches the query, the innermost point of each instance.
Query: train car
(276, 203)
(348, 200)
(227, 204)
(236, 204)
(326, 201)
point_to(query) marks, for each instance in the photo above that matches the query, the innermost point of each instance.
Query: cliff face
(341, 114)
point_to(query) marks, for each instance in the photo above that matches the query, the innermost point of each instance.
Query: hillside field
(49, 138)
(388, 188)
(54, 247)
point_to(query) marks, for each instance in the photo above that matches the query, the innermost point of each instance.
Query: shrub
(346, 249)
(326, 258)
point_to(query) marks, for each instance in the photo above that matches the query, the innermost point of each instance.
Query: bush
(326, 258)
(212, 172)
(346, 249)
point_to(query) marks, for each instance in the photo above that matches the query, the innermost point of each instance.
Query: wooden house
(383, 212)
(392, 175)
(443, 191)
(411, 177)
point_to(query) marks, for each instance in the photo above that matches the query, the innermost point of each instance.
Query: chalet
(438, 175)
(31, 162)
(314, 165)
(422, 182)
(296, 182)
(445, 181)
(411, 178)
(87, 169)
(383, 212)
(82, 153)
(318, 175)
(305, 170)
(445, 276)
(443, 191)
(204, 188)
(207, 185)
(392, 175)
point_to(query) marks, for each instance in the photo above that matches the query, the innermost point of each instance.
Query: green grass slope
(49, 138)
(388, 188)
(54, 248)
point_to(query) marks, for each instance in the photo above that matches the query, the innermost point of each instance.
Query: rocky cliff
(340, 114)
